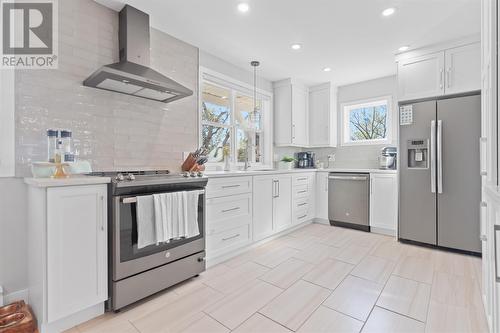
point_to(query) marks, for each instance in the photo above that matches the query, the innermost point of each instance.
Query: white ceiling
(350, 36)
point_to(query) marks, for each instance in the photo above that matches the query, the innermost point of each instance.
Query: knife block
(191, 165)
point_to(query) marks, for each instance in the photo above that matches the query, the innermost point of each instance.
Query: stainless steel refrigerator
(440, 182)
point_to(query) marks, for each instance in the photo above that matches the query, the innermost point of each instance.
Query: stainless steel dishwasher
(349, 200)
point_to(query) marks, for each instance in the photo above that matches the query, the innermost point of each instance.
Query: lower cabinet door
(322, 195)
(264, 189)
(76, 249)
(282, 203)
(384, 202)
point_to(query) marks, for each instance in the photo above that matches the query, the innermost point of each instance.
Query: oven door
(128, 260)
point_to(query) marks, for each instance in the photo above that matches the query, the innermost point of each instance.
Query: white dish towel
(146, 230)
(176, 215)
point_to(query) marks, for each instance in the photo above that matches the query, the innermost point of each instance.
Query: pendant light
(255, 115)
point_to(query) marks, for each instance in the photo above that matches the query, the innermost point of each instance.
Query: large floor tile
(205, 325)
(274, 257)
(454, 263)
(316, 253)
(406, 297)
(390, 250)
(455, 290)
(416, 268)
(329, 273)
(108, 323)
(352, 254)
(237, 278)
(354, 297)
(384, 321)
(330, 321)
(445, 318)
(180, 314)
(234, 309)
(287, 273)
(295, 304)
(374, 269)
(260, 324)
(339, 237)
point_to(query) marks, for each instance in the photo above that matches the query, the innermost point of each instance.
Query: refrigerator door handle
(433, 156)
(440, 156)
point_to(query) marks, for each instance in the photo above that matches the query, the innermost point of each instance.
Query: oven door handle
(130, 200)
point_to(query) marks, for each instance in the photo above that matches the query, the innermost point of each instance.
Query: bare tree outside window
(367, 122)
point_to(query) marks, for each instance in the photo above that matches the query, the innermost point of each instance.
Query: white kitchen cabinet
(384, 203)
(282, 203)
(290, 113)
(272, 208)
(421, 77)
(450, 70)
(323, 116)
(322, 196)
(303, 208)
(67, 234)
(463, 69)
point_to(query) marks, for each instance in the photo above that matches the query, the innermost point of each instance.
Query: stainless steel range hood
(132, 75)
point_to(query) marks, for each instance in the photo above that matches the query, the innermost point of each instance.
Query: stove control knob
(130, 176)
(120, 177)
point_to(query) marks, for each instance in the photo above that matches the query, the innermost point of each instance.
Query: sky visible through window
(368, 123)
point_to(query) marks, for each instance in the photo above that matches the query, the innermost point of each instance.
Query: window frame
(237, 87)
(347, 107)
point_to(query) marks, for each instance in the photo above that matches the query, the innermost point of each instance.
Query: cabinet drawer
(229, 237)
(301, 215)
(222, 187)
(302, 191)
(227, 212)
(302, 179)
(300, 205)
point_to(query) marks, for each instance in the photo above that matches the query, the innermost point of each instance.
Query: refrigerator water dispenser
(418, 153)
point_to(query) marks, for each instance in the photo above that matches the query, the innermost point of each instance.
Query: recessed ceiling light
(404, 48)
(243, 7)
(389, 11)
(296, 47)
(327, 69)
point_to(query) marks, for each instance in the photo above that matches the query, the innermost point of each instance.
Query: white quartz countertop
(218, 174)
(71, 181)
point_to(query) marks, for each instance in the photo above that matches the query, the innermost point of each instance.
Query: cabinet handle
(278, 182)
(231, 186)
(483, 173)
(301, 217)
(102, 213)
(293, 132)
(371, 185)
(230, 209)
(232, 237)
(441, 78)
(304, 178)
(448, 77)
(302, 204)
(303, 191)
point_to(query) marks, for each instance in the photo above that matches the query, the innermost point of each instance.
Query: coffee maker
(305, 160)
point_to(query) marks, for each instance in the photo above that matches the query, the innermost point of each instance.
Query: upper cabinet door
(421, 77)
(283, 115)
(463, 69)
(322, 117)
(299, 115)
(76, 249)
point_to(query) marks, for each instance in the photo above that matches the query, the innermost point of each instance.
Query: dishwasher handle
(357, 178)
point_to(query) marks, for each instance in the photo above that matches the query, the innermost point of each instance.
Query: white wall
(13, 222)
(219, 65)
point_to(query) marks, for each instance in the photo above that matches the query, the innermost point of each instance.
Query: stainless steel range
(135, 273)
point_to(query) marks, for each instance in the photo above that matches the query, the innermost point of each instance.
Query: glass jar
(67, 146)
(52, 136)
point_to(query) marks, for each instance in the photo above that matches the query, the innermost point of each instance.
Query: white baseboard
(383, 231)
(16, 296)
(321, 221)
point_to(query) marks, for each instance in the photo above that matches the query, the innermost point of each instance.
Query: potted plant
(287, 163)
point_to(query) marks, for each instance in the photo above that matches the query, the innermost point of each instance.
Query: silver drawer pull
(303, 191)
(235, 236)
(301, 217)
(347, 178)
(230, 209)
(231, 186)
(301, 178)
(302, 204)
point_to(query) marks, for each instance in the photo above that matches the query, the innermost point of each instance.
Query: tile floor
(317, 279)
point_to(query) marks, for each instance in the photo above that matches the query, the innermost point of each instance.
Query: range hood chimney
(132, 75)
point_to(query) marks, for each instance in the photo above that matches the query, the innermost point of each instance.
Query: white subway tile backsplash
(111, 130)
